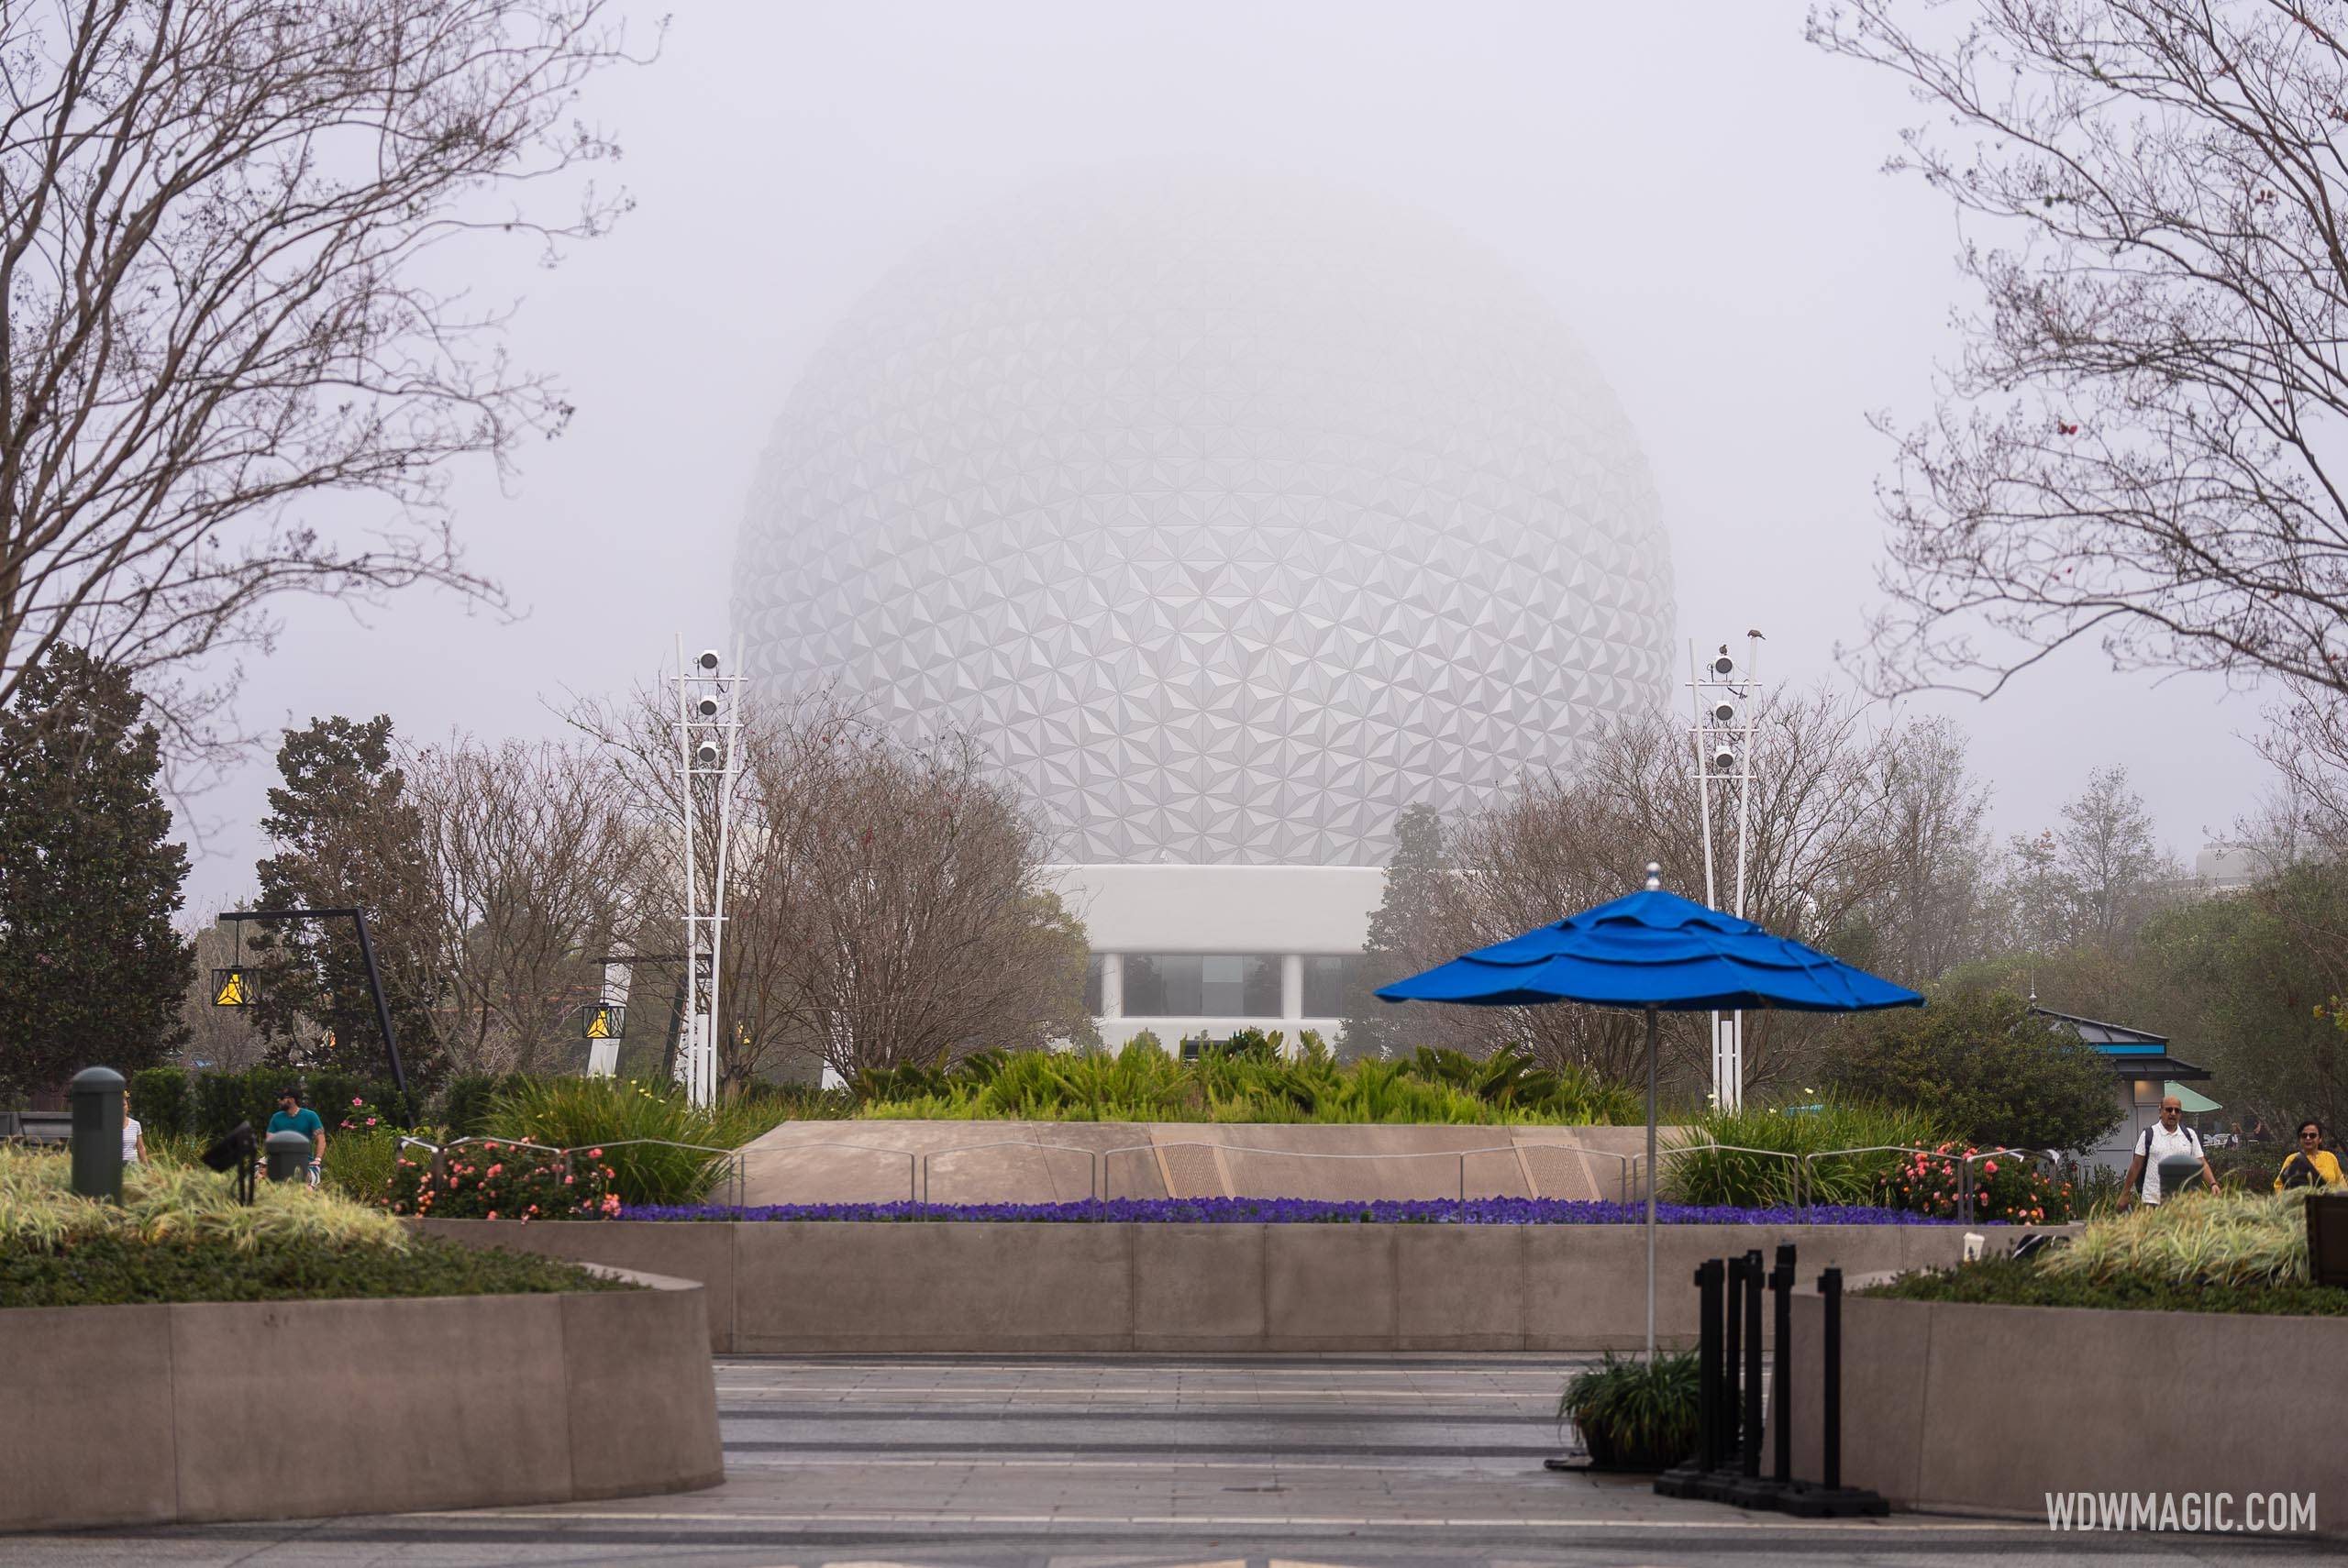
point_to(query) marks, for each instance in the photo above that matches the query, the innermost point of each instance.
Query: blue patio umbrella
(1657, 952)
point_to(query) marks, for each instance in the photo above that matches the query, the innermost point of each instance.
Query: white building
(1233, 516)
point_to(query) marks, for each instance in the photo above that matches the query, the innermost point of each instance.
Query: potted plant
(1633, 1415)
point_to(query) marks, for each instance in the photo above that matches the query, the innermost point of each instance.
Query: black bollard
(1731, 1405)
(1681, 1480)
(96, 1099)
(1781, 1282)
(1830, 1286)
(1830, 1499)
(1752, 1275)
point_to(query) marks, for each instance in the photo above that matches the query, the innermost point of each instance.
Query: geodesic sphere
(1232, 517)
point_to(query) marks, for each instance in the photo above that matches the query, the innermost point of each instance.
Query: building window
(1095, 1002)
(1209, 985)
(1327, 980)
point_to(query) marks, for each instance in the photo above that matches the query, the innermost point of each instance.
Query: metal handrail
(735, 1159)
(1458, 1154)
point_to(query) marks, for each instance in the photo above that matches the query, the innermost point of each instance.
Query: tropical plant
(1636, 1415)
(1752, 1158)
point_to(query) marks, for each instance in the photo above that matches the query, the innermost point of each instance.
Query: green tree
(1982, 1063)
(91, 970)
(1401, 937)
(346, 835)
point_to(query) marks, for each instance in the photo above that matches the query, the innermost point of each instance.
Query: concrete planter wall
(291, 1409)
(1988, 1408)
(778, 1287)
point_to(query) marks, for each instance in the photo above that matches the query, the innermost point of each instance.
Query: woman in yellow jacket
(2311, 1163)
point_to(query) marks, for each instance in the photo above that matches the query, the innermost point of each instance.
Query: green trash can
(96, 1099)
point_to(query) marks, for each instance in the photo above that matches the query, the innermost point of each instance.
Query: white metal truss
(1727, 699)
(709, 757)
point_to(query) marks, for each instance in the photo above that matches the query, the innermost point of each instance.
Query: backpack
(2300, 1171)
(2144, 1148)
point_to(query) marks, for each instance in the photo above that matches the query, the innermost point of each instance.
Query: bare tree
(1823, 852)
(531, 858)
(2142, 444)
(884, 904)
(2116, 869)
(232, 306)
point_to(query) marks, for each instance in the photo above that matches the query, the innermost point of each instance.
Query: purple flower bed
(1297, 1212)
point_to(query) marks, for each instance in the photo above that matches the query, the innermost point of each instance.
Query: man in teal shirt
(294, 1117)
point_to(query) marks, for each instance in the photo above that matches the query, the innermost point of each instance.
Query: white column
(1113, 985)
(1292, 986)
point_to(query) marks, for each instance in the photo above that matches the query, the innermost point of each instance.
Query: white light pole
(1727, 699)
(709, 730)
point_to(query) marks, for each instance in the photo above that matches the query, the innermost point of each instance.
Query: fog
(1693, 190)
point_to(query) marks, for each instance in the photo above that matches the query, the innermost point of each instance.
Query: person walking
(2167, 1139)
(292, 1116)
(134, 1138)
(2310, 1164)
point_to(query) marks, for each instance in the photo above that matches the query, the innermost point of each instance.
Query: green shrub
(1982, 1065)
(490, 1180)
(1634, 1415)
(633, 1123)
(470, 1102)
(358, 1164)
(223, 1100)
(2009, 1189)
(116, 1269)
(1706, 1161)
(160, 1100)
(2003, 1281)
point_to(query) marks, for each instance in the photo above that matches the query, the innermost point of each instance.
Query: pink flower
(370, 1122)
(493, 1214)
(356, 1100)
(1989, 1167)
(595, 1154)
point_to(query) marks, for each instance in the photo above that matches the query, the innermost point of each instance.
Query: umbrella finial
(1655, 877)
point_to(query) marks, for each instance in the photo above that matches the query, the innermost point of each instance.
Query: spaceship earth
(1233, 517)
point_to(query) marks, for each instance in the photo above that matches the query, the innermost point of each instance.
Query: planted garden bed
(1285, 1211)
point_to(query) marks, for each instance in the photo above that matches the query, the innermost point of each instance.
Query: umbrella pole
(1651, 1177)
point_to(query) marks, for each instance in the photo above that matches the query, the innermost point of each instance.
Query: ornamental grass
(2196, 1238)
(1710, 1160)
(175, 1203)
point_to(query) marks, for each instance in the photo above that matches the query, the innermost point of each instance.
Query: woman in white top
(134, 1140)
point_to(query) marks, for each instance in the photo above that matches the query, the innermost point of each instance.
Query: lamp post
(1726, 696)
(709, 728)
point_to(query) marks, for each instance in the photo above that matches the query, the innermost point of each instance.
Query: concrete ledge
(1987, 1409)
(290, 1410)
(820, 1286)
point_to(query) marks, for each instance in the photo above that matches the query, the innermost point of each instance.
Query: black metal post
(1752, 1276)
(1781, 1283)
(1733, 1365)
(1709, 1426)
(1830, 1357)
(383, 1019)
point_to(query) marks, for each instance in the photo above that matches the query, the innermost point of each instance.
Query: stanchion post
(1752, 1275)
(1732, 1366)
(1830, 1286)
(1781, 1286)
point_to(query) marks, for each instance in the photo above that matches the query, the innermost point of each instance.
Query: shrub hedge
(116, 1270)
(2008, 1282)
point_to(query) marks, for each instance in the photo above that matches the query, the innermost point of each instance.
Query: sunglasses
(2310, 1137)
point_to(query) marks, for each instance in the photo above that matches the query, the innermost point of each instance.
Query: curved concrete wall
(813, 1287)
(294, 1409)
(1987, 1409)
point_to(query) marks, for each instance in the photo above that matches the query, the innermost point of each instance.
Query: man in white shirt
(2168, 1140)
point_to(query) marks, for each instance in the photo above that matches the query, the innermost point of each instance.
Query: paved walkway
(1131, 1463)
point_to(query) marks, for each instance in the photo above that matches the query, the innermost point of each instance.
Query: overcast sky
(1695, 191)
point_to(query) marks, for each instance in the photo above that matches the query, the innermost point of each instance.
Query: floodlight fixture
(1723, 667)
(708, 661)
(706, 753)
(1723, 711)
(706, 707)
(1725, 758)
